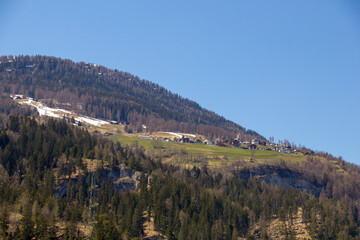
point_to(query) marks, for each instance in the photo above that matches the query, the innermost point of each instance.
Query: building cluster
(254, 144)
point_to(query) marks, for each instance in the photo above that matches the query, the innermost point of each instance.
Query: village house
(236, 143)
(207, 142)
(216, 141)
(108, 133)
(262, 143)
(227, 142)
(221, 144)
(185, 140)
(145, 137)
(253, 147)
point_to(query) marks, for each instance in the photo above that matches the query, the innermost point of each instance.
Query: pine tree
(235, 234)
(4, 223)
(27, 225)
(41, 227)
(52, 229)
(105, 228)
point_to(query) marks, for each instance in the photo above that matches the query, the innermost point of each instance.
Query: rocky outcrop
(121, 177)
(282, 177)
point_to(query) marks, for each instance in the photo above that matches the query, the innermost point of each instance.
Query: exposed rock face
(282, 177)
(61, 191)
(118, 173)
(122, 186)
(122, 178)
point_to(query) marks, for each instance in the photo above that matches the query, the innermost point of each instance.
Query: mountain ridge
(112, 95)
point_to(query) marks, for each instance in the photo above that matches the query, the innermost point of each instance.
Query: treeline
(10, 107)
(339, 180)
(210, 207)
(36, 158)
(109, 94)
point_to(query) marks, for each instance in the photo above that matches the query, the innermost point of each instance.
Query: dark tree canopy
(110, 94)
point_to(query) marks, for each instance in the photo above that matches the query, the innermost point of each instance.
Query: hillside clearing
(197, 154)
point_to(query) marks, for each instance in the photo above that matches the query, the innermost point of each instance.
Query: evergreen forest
(37, 157)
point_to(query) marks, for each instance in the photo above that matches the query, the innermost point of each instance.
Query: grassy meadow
(196, 154)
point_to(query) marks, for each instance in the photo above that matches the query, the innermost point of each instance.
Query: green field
(196, 154)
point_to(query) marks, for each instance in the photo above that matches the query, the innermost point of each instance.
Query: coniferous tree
(27, 225)
(4, 223)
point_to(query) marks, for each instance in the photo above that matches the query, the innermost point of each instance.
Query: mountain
(108, 94)
(61, 180)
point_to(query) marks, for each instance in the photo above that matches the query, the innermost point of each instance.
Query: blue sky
(288, 69)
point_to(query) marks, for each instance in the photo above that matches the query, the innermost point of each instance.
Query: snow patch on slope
(92, 121)
(59, 113)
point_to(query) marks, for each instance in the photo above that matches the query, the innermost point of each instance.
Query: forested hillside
(59, 181)
(110, 94)
(36, 159)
